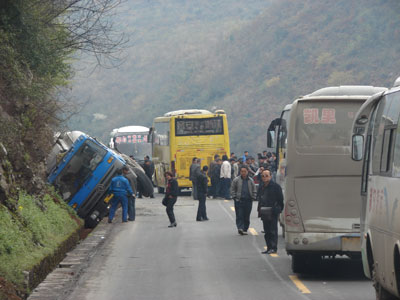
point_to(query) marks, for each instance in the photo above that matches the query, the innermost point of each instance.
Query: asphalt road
(145, 259)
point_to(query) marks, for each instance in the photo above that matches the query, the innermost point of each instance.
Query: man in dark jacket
(148, 168)
(202, 186)
(171, 195)
(194, 172)
(132, 178)
(270, 195)
(214, 180)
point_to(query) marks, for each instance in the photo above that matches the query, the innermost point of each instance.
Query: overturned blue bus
(82, 176)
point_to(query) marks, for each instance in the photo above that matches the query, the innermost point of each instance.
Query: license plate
(351, 243)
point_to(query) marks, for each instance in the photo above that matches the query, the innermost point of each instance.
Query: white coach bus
(322, 207)
(376, 142)
(132, 141)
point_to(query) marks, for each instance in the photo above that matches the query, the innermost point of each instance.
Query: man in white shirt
(225, 176)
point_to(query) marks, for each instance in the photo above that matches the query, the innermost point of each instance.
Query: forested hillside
(249, 68)
(169, 41)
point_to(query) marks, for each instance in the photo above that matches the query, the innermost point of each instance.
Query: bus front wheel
(92, 220)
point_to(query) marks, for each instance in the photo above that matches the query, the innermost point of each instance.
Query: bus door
(183, 160)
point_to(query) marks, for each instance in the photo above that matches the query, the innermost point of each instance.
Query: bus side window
(377, 138)
(396, 156)
(396, 136)
(386, 150)
(389, 120)
(162, 133)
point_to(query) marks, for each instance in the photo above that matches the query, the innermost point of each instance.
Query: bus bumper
(338, 243)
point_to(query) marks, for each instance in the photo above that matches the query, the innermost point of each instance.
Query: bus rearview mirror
(270, 139)
(357, 147)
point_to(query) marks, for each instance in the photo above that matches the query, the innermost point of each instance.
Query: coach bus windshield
(283, 129)
(79, 168)
(135, 144)
(325, 124)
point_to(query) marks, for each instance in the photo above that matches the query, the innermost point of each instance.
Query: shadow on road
(338, 269)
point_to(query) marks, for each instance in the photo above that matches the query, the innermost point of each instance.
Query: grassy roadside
(34, 231)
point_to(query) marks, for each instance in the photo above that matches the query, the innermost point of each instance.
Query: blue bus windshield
(79, 168)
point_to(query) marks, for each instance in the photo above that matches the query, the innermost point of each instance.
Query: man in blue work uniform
(121, 188)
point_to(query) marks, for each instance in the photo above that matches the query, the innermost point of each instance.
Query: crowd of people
(231, 179)
(235, 179)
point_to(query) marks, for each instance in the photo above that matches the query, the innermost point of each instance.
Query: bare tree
(89, 25)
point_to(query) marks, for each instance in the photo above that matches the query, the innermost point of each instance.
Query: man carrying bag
(270, 205)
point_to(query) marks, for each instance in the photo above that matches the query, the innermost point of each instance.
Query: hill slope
(169, 41)
(292, 49)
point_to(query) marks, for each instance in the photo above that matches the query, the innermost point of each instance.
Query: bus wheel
(380, 291)
(92, 220)
(160, 190)
(299, 263)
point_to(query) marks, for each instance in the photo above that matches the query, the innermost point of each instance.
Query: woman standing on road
(171, 195)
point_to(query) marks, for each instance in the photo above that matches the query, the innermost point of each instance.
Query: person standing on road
(213, 189)
(234, 168)
(202, 186)
(245, 155)
(120, 187)
(270, 195)
(171, 195)
(273, 166)
(243, 192)
(217, 177)
(148, 168)
(248, 164)
(132, 178)
(194, 172)
(225, 176)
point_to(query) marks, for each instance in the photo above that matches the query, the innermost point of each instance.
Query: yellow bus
(180, 135)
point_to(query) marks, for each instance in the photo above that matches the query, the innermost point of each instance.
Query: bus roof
(132, 129)
(346, 90)
(187, 112)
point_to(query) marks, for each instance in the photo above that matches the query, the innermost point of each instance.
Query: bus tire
(299, 263)
(380, 292)
(91, 222)
(160, 190)
(144, 183)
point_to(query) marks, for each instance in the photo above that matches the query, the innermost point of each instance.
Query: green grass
(31, 233)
